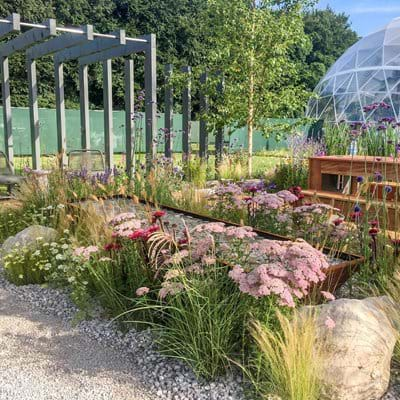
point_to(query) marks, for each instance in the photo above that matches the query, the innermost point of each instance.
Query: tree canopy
(181, 40)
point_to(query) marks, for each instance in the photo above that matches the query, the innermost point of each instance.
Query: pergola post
(169, 119)
(33, 113)
(129, 115)
(60, 114)
(186, 115)
(7, 116)
(203, 139)
(84, 106)
(150, 78)
(5, 30)
(108, 113)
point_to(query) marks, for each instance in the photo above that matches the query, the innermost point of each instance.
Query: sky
(365, 15)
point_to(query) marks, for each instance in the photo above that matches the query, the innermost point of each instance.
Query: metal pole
(150, 78)
(186, 115)
(169, 118)
(84, 106)
(108, 113)
(7, 117)
(129, 115)
(219, 136)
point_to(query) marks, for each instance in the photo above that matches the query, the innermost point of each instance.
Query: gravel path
(42, 358)
(44, 355)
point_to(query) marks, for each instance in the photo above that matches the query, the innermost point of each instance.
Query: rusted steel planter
(337, 274)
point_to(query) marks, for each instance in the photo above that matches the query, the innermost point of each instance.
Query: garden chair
(89, 160)
(7, 177)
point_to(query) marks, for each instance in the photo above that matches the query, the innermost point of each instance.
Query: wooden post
(108, 113)
(84, 106)
(129, 115)
(33, 112)
(7, 118)
(60, 114)
(203, 140)
(186, 115)
(169, 118)
(150, 78)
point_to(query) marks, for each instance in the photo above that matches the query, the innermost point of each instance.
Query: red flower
(149, 231)
(374, 223)
(338, 221)
(158, 214)
(112, 246)
(373, 232)
(138, 234)
(355, 215)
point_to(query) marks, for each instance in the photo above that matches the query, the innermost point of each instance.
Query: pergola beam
(49, 47)
(94, 46)
(12, 27)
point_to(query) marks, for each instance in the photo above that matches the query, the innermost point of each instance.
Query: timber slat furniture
(352, 166)
(7, 176)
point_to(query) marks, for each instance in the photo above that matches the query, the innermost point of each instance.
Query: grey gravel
(45, 355)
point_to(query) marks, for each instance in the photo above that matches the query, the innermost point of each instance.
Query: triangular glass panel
(364, 76)
(374, 60)
(341, 83)
(392, 77)
(395, 88)
(393, 38)
(352, 86)
(327, 87)
(377, 83)
(351, 64)
(322, 104)
(311, 108)
(353, 111)
(396, 104)
(373, 41)
(390, 53)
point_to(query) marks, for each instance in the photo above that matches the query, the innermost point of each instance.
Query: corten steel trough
(337, 274)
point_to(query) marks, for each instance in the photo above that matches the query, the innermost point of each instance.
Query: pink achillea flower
(85, 252)
(268, 201)
(328, 296)
(240, 232)
(287, 196)
(170, 288)
(211, 227)
(142, 291)
(330, 323)
(120, 218)
(126, 228)
(291, 269)
(209, 260)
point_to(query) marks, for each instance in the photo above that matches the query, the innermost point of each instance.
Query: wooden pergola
(88, 47)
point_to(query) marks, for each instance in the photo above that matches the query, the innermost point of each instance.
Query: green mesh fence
(48, 133)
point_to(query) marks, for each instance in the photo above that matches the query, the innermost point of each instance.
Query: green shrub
(41, 263)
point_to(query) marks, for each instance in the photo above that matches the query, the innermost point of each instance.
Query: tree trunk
(250, 114)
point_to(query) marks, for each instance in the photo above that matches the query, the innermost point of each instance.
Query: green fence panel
(48, 132)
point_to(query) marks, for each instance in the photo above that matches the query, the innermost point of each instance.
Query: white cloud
(374, 10)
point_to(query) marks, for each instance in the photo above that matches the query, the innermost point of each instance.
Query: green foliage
(204, 323)
(330, 35)
(289, 173)
(36, 264)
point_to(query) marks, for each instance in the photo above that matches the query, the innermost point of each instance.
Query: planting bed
(342, 265)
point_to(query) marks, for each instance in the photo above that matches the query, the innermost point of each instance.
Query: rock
(357, 351)
(28, 238)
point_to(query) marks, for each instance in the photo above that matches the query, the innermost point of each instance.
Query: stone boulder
(358, 349)
(28, 238)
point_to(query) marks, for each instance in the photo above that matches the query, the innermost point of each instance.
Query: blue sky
(365, 15)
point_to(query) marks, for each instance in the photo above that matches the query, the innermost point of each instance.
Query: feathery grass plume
(288, 360)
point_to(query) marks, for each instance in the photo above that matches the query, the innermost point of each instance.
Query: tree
(330, 35)
(250, 42)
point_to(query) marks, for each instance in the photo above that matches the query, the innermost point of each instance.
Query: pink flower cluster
(292, 268)
(85, 252)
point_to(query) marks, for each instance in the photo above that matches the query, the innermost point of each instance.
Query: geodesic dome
(368, 72)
